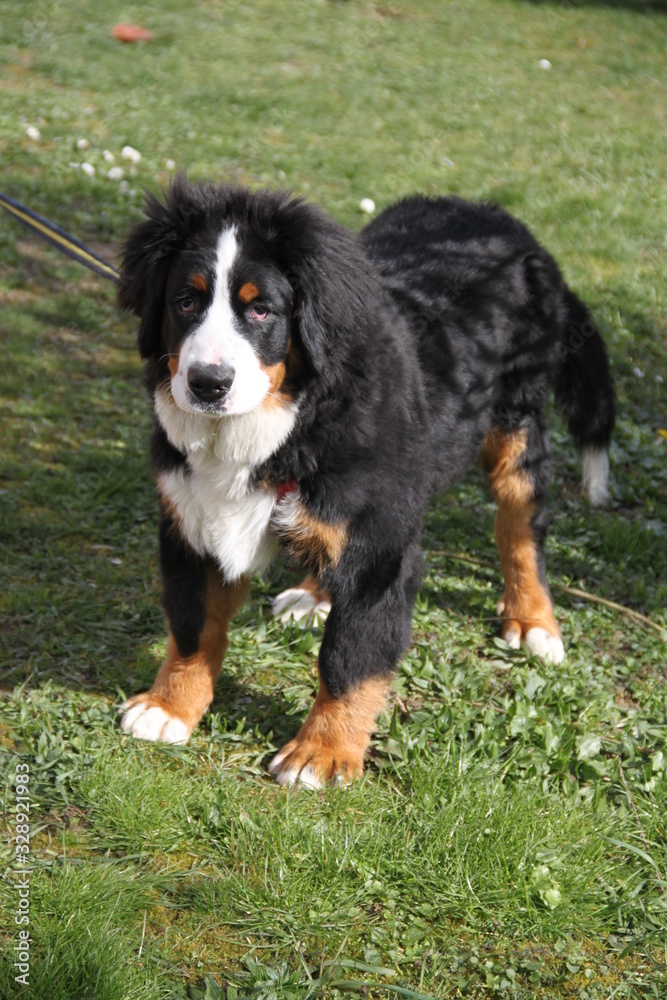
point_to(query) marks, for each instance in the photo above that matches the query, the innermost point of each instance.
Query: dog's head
(241, 295)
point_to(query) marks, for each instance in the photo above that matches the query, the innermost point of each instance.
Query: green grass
(509, 837)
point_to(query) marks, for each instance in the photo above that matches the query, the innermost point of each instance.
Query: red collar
(284, 489)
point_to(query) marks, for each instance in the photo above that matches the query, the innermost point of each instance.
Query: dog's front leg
(198, 604)
(332, 742)
(367, 630)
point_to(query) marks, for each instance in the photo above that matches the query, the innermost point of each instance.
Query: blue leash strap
(57, 237)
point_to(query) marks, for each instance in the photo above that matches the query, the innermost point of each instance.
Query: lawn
(509, 838)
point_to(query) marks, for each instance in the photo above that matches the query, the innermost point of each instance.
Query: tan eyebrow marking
(248, 292)
(198, 281)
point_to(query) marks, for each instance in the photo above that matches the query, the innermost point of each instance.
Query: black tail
(584, 391)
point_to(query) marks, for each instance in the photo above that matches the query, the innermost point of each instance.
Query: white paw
(513, 637)
(288, 776)
(149, 722)
(539, 642)
(297, 604)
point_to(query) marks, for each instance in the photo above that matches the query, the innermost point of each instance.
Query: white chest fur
(220, 511)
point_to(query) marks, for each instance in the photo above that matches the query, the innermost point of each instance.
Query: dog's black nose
(210, 383)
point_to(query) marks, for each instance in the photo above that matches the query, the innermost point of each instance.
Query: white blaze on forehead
(216, 340)
(227, 254)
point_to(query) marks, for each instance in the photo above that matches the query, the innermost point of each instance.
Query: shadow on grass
(80, 594)
(634, 6)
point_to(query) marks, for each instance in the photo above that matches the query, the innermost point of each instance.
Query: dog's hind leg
(517, 462)
(306, 600)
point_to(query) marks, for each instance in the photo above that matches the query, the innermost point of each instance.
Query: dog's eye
(259, 312)
(186, 306)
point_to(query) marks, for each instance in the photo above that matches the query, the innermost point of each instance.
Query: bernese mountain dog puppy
(313, 389)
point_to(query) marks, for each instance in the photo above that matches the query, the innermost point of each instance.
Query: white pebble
(115, 174)
(88, 169)
(130, 153)
(82, 144)
(109, 156)
(367, 205)
(545, 64)
(33, 133)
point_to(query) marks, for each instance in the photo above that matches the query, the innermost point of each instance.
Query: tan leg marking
(526, 602)
(184, 686)
(334, 738)
(501, 454)
(313, 542)
(310, 585)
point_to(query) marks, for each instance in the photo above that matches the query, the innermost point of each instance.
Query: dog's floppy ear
(333, 281)
(148, 250)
